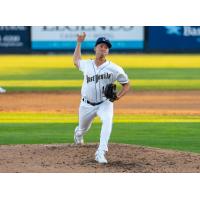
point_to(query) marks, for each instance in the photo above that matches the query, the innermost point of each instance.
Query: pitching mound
(73, 158)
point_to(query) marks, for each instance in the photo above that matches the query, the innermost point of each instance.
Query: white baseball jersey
(96, 78)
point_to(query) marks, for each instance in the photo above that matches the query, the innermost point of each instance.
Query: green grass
(164, 73)
(41, 74)
(179, 136)
(74, 74)
(58, 79)
(147, 72)
(62, 85)
(41, 89)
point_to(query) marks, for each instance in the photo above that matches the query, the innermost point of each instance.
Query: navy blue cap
(103, 40)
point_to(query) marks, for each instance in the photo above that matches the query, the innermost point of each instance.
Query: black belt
(91, 103)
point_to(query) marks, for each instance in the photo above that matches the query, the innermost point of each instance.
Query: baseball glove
(111, 92)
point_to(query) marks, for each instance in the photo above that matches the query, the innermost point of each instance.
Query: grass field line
(72, 118)
(78, 83)
(125, 60)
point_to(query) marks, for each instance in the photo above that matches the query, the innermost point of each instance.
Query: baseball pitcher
(98, 92)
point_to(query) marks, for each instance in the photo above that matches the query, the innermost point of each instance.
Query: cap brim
(108, 44)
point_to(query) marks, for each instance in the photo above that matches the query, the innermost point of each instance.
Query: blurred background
(157, 57)
(132, 39)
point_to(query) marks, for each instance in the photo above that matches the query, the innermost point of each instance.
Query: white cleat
(2, 90)
(78, 139)
(100, 157)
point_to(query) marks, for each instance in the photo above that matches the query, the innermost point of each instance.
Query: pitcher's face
(101, 50)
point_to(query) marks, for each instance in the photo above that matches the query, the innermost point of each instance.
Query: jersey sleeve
(122, 77)
(82, 65)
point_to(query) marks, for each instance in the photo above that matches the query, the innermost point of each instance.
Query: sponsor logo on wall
(173, 38)
(64, 37)
(14, 38)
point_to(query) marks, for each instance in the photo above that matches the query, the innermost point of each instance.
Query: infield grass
(178, 136)
(57, 73)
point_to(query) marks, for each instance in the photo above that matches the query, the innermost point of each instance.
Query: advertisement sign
(14, 39)
(173, 38)
(64, 37)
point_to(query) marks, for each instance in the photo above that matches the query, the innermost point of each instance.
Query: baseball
(81, 34)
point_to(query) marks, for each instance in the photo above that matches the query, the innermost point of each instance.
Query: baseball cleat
(78, 139)
(2, 90)
(100, 157)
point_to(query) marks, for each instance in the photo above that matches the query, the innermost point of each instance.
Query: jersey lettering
(97, 77)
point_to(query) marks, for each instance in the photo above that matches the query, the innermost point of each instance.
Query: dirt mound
(122, 158)
(73, 158)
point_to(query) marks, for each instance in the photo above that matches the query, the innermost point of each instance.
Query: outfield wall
(134, 39)
(15, 39)
(172, 39)
(64, 38)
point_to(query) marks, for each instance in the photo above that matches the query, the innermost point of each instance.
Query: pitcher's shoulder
(114, 65)
(86, 61)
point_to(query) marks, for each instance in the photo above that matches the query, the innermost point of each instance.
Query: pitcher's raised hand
(81, 37)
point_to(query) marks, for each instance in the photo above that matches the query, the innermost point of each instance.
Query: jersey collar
(100, 66)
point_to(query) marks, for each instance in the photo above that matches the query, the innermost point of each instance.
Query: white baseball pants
(88, 112)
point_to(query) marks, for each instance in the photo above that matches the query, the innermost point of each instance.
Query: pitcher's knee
(79, 131)
(107, 119)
